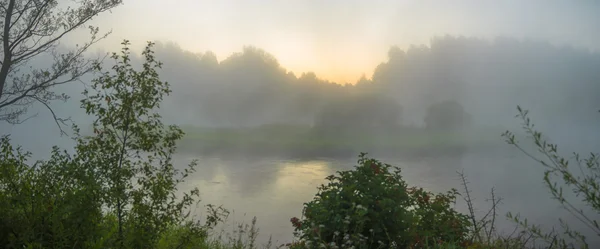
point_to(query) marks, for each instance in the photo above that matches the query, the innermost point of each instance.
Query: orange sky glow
(339, 40)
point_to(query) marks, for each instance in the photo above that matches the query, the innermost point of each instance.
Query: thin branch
(63, 33)
(494, 205)
(120, 165)
(57, 120)
(557, 167)
(21, 12)
(8, 118)
(469, 201)
(32, 25)
(47, 83)
(26, 94)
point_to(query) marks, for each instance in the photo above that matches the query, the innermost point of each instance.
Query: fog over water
(552, 72)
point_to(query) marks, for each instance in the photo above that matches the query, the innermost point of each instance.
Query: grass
(241, 236)
(304, 140)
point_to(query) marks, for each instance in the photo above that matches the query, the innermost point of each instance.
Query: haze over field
(490, 57)
(430, 85)
(487, 77)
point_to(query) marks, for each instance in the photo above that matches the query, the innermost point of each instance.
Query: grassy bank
(306, 141)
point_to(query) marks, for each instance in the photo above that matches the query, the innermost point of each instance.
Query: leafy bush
(119, 188)
(372, 207)
(50, 204)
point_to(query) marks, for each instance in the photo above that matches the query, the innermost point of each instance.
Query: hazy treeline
(486, 77)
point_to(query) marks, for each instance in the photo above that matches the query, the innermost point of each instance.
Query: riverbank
(307, 142)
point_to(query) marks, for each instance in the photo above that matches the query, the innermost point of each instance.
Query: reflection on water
(274, 190)
(294, 177)
(271, 189)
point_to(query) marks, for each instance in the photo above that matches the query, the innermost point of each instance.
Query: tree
(30, 28)
(119, 188)
(446, 115)
(361, 111)
(133, 150)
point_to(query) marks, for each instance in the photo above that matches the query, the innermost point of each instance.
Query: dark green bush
(118, 190)
(372, 207)
(50, 204)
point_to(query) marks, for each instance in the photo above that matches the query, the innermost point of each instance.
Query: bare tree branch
(57, 120)
(51, 81)
(32, 28)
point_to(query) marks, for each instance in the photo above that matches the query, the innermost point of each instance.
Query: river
(274, 189)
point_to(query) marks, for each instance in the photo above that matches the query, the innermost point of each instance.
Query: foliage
(448, 115)
(119, 189)
(372, 207)
(580, 174)
(31, 29)
(50, 204)
(133, 151)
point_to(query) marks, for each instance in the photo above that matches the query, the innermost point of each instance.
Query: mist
(434, 103)
(489, 78)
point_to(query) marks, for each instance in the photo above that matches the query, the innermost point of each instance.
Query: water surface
(274, 189)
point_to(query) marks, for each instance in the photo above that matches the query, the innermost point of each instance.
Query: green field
(304, 140)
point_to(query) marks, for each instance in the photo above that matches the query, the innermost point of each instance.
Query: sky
(340, 40)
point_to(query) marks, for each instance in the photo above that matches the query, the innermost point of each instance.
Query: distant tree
(30, 28)
(362, 111)
(446, 115)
